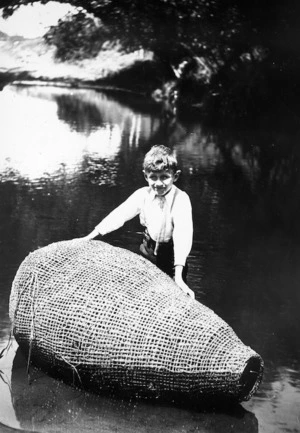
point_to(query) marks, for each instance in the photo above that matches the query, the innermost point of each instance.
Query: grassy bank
(32, 59)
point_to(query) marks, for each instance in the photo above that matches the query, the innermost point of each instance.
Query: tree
(169, 28)
(239, 40)
(217, 29)
(77, 36)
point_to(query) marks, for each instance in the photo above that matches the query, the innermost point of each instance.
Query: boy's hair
(160, 158)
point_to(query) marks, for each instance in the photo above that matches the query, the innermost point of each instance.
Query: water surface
(68, 157)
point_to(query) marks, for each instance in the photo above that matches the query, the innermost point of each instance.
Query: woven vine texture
(116, 320)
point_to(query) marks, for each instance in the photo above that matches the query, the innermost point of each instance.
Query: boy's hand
(91, 235)
(179, 281)
(87, 238)
(185, 288)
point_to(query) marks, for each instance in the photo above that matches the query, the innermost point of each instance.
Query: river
(68, 157)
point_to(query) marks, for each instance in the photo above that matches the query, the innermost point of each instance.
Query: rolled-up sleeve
(125, 212)
(183, 228)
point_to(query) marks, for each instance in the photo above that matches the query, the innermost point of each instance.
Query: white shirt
(173, 221)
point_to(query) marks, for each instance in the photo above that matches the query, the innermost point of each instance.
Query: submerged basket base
(125, 384)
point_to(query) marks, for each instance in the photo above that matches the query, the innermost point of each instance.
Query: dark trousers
(164, 258)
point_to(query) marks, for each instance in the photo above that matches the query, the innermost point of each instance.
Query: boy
(166, 213)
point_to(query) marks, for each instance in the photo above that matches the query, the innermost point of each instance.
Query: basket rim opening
(251, 377)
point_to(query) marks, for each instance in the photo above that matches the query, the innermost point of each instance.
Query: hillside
(32, 59)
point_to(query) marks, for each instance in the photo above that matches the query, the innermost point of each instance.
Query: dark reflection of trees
(81, 115)
(49, 402)
(86, 111)
(48, 209)
(101, 171)
(269, 162)
(266, 159)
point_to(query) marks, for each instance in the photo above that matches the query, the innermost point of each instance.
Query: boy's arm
(179, 281)
(183, 229)
(182, 238)
(92, 235)
(117, 218)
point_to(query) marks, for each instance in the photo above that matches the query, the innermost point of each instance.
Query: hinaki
(105, 318)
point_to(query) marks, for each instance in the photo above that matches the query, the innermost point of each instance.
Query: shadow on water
(49, 405)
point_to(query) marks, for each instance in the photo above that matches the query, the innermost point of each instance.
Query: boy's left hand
(184, 287)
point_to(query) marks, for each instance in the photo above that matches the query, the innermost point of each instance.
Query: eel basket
(105, 319)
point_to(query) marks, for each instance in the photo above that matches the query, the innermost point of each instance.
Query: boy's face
(161, 181)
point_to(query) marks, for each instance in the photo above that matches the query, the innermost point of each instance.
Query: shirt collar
(169, 196)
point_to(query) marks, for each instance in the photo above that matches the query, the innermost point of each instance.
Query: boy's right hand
(91, 235)
(87, 238)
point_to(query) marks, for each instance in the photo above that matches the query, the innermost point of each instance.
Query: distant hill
(17, 38)
(3, 36)
(6, 37)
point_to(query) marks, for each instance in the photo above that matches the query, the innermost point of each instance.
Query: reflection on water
(91, 127)
(67, 157)
(49, 405)
(278, 405)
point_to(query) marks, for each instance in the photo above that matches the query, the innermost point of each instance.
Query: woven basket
(106, 318)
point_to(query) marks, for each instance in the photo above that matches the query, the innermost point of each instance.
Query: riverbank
(233, 100)
(33, 60)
